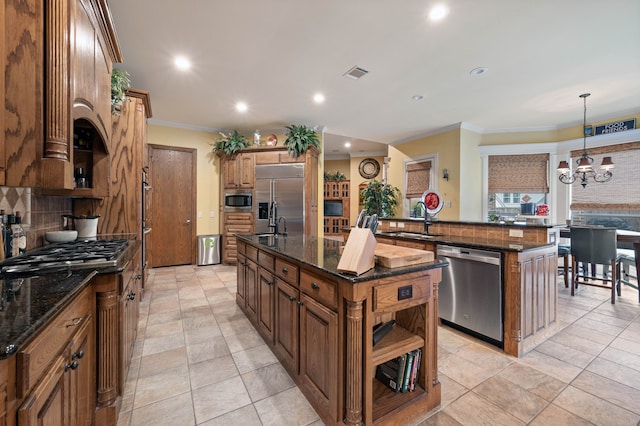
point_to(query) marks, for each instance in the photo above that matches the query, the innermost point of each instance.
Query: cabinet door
(246, 171)
(251, 290)
(82, 386)
(241, 267)
(230, 173)
(319, 354)
(286, 328)
(48, 404)
(266, 296)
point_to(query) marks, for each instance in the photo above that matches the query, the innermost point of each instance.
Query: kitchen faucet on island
(427, 220)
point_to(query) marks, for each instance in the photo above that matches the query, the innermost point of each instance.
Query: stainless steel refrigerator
(282, 186)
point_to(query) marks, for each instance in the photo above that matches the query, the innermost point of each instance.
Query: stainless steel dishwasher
(470, 294)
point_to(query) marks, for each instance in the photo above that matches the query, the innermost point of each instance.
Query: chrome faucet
(273, 217)
(427, 222)
(285, 225)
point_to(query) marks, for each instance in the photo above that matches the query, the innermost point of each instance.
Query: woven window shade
(622, 192)
(518, 173)
(417, 178)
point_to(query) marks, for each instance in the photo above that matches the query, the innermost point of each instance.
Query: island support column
(354, 364)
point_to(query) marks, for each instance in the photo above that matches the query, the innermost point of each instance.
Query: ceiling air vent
(355, 73)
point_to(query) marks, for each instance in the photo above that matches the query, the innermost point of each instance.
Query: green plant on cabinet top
(120, 82)
(299, 139)
(230, 144)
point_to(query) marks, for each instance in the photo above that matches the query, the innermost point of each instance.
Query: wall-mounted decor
(369, 168)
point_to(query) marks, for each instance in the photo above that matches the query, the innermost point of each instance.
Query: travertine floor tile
(244, 341)
(619, 373)
(245, 416)
(219, 398)
(622, 357)
(565, 353)
(450, 390)
(212, 371)
(158, 363)
(286, 408)
(208, 349)
(254, 358)
(267, 381)
(549, 365)
(153, 345)
(440, 419)
(171, 382)
(594, 409)
(471, 409)
(177, 410)
(511, 398)
(609, 390)
(533, 380)
(554, 415)
(464, 372)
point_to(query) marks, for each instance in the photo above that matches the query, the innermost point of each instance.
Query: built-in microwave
(238, 200)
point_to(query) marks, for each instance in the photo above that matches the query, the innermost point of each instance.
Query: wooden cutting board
(391, 256)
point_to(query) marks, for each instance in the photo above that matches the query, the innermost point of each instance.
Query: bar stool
(564, 251)
(629, 257)
(595, 246)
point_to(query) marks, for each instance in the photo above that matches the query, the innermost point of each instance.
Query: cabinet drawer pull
(292, 298)
(300, 303)
(315, 286)
(74, 322)
(77, 355)
(285, 271)
(71, 365)
(139, 277)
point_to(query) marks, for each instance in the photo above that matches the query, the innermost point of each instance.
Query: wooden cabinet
(60, 362)
(234, 223)
(337, 212)
(57, 74)
(287, 302)
(319, 373)
(117, 312)
(239, 171)
(266, 305)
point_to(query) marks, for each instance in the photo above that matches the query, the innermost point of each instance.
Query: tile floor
(198, 361)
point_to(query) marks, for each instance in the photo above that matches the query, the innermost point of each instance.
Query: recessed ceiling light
(479, 71)
(417, 97)
(318, 98)
(347, 144)
(241, 107)
(438, 12)
(182, 63)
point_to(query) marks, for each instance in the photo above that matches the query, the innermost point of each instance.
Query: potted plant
(380, 198)
(299, 139)
(230, 144)
(120, 82)
(337, 176)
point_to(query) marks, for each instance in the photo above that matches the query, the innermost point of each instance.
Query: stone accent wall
(40, 213)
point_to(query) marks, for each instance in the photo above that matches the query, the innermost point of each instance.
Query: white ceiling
(274, 55)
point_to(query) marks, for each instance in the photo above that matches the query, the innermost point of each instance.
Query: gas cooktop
(73, 255)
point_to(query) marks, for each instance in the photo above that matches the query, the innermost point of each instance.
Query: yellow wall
(468, 202)
(208, 171)
(447, 146)
(344, 166)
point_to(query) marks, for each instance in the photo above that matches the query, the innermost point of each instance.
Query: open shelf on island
(396, 342)
(386, 401)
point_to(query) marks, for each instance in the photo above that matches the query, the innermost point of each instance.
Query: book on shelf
(399, 374)
(391, 373)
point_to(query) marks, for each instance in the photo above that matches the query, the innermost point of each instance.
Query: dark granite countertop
(29, 303)
(462, 222)
(465, 241)
(324, 255)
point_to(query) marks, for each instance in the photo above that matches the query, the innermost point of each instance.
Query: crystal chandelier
(585, 170)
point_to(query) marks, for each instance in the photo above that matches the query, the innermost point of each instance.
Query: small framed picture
(588, 130)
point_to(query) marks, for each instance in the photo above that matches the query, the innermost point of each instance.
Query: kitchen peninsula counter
(319, 323)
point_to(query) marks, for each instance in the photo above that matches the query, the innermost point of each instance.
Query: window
(418, 175)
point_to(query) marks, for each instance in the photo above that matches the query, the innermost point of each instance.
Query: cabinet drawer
(36, 357)
(237, 229)
(252, 253)
(401, 295)
(238, 219)
(287, 271)
(265, 260)
(319, 288)
(410, 244)
(242, 247)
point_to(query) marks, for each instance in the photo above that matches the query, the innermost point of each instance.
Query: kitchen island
(529, 269)
(319, 323)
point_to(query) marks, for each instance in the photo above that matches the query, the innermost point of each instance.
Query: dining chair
(564, 252)
(630, 258)
(595, 246)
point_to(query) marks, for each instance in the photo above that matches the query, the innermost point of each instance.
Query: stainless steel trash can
(208, 249)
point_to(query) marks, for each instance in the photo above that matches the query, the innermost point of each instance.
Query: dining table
(622, 235)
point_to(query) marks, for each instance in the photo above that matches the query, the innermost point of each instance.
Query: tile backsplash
(40, 213)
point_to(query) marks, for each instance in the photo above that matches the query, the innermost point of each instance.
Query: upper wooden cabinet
(239, 171)
(57, 58)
